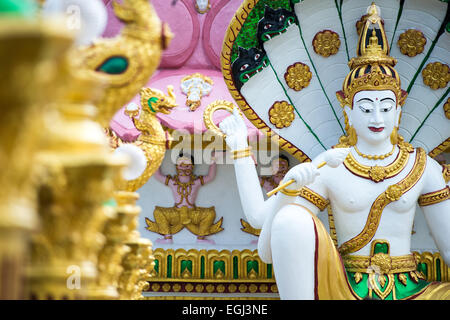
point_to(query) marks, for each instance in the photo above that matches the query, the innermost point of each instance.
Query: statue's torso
(184, 193)
(351, 198)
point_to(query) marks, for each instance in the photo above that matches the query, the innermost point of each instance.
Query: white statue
(373, 196)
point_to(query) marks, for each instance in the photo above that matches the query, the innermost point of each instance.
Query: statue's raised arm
(256, 209)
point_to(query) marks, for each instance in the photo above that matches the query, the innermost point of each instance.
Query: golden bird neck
(150, 128)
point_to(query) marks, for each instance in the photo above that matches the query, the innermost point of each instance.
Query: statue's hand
(303, 174)
(334, 157)
(132, 110)
(236, 131)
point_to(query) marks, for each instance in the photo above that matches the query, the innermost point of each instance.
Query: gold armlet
(168, 177)
(244, 153)
(428, 199)
(313, 197)
(446, 172)
(290, 192)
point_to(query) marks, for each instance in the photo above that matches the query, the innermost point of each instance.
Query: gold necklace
(375, 157)
(379, 173)
(184, 189)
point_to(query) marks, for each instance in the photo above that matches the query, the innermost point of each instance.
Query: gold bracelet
(244, 153)
(290, 192)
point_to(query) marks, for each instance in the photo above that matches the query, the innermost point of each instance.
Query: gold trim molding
(236, 272)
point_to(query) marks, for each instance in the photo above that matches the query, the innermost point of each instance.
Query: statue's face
(374, 115)
(184, 167)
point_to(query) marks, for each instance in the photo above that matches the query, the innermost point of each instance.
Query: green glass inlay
(360, 288)
(401, 291)
(252, 264)
(156, 267)
(169, 266)
(235, 268)
(411, 288)
(219, 265)
(447, 27)
(202, 267)
(186, 264)
(150, 103)
(438, 269)
(269, 271)
(381, 248)
(422, 267)
(114, 65)
(110, 203)
(19, 8)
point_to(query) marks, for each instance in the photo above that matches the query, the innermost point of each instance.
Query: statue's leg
(293, 250)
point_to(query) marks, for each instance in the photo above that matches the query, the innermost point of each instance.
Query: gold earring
(394, 136)
(352, 137)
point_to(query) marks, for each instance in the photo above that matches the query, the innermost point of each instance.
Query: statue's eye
(267, 26)
(257, 56)
(114, 65)
(364, 110)
(281, 17)
(244, 67)
(150, 103)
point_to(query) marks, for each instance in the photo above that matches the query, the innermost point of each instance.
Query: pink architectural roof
(196, 47)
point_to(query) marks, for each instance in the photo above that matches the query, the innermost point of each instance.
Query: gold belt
(380, 263)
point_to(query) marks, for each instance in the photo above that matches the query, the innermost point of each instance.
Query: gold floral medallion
(447, 109)
(411, 42)
(281, 114)
(298, 76)
(436, 75)
(326, 43)
(382, 262)
(377, 173)
(393, 192)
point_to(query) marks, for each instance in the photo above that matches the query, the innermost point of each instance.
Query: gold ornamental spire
(372, 68)
(372, 46)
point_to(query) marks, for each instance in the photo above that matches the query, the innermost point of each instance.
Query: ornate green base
(183, 273)
(407, 288)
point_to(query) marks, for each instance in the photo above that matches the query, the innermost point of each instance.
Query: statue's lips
(373, 129)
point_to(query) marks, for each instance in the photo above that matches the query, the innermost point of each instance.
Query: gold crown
(372, 68)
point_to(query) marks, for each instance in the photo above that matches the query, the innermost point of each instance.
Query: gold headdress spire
(372, 68)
